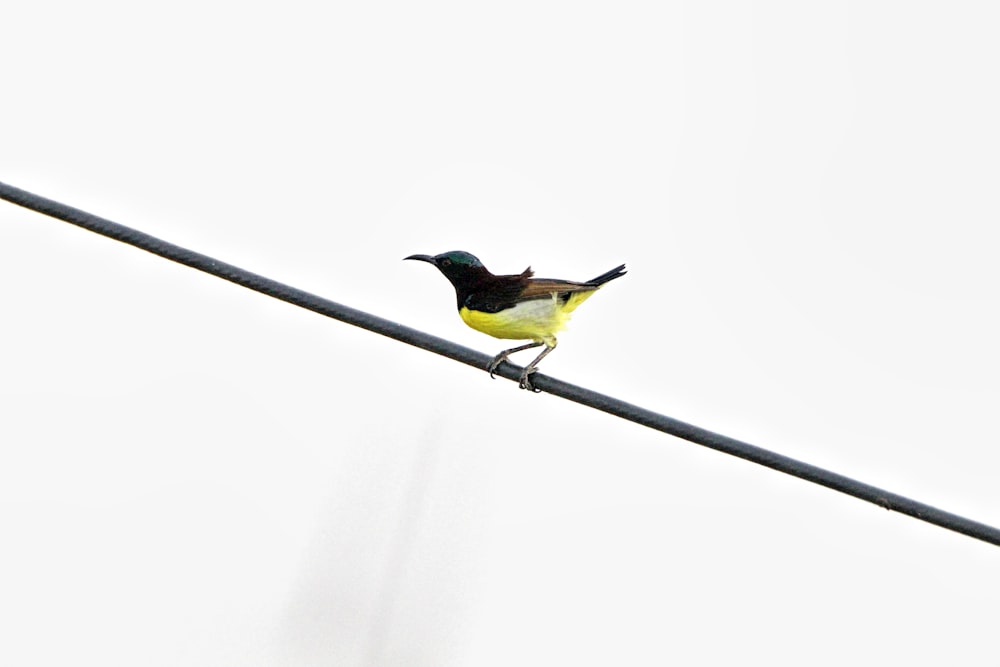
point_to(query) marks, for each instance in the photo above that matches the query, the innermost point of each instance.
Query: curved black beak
(422, 258)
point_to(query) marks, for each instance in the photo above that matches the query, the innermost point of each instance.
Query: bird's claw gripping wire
(525, 381)
(497, 360)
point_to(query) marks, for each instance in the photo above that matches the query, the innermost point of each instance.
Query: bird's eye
(445, 262)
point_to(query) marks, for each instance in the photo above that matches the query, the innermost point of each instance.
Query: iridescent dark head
(458, 266)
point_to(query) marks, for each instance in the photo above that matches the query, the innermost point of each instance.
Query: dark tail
(616, 272)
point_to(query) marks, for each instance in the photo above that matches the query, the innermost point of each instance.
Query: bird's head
(457, 266)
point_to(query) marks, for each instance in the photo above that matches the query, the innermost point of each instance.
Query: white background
(195, 474)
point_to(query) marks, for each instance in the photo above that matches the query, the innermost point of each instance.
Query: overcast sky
(806, 198)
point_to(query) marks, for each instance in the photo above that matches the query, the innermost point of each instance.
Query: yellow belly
(538, 319)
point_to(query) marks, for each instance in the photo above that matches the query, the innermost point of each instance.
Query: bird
(514, 307)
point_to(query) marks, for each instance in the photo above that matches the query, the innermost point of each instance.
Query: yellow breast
(537, 319)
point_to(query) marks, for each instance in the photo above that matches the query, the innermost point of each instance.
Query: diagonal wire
(593, 399)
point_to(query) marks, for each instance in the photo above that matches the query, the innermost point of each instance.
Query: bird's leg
(502, 357)
(525, 382)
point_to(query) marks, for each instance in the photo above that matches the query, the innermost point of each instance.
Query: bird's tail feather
(616, 272)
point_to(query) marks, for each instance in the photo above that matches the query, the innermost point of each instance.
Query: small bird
(516, 307)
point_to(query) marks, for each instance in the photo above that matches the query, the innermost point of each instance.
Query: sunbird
(514, 307)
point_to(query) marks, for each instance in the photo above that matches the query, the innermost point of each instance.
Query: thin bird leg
(502, 357)
(525, 382)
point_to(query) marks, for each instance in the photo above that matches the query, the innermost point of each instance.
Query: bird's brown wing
(503, 292)
(542, 287)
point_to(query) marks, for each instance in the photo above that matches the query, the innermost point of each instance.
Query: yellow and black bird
(515, 307)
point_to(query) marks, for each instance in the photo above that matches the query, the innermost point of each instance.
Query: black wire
(695, 434)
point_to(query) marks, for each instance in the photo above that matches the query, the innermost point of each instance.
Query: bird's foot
(525, 382)
(497, 360)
